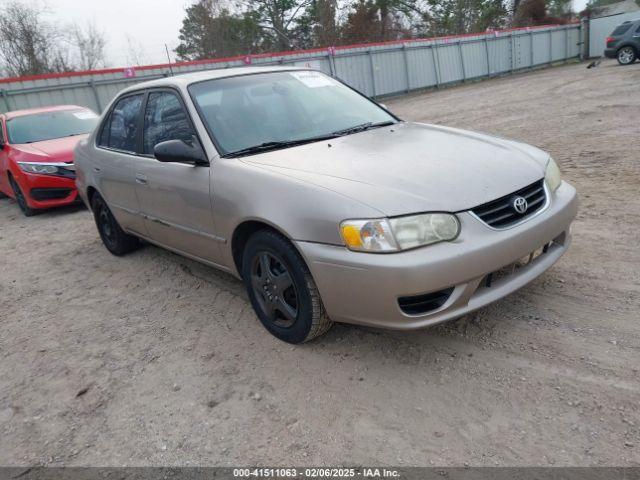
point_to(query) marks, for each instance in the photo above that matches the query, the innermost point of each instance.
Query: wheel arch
(633, 46)
(91, 191)
(244, 230)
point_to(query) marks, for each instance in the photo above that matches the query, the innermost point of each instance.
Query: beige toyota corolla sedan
(325, 204)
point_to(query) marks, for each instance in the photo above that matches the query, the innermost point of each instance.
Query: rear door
(115, 158)
(174, 197)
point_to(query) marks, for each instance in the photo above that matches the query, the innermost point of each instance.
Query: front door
(174, 197)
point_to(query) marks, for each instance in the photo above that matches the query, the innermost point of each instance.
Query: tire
(281, 289)
(21, 199)
(626, 55)
(114, 238)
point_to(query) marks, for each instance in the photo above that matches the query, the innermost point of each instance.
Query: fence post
(550, 47)
(5, 97)
(406, 66)
(566, 44)
(531, 46)
(331, 53)
(92, 84)
(486, 50)
(511, 50)
(436, 64)
(373, 73)
(464, 70)
(584, 38)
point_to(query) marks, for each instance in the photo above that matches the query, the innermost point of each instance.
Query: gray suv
(624, 42)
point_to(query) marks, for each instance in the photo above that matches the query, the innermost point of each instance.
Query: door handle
(96, 169)
(141, 178)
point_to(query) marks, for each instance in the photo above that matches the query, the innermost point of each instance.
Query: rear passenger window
(165, 119)
(121, 128)
(621, 29)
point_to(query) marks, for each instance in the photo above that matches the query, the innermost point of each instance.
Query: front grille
(420, 304)
(42, 194)
(501, 213)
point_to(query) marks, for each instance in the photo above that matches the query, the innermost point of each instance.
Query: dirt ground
(153, 359)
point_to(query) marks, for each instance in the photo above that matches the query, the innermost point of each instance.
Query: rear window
(621, 30)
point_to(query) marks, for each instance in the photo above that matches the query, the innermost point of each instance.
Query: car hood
(56, 150)
(411, 168)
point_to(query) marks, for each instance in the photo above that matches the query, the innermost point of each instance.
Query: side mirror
(179, 151)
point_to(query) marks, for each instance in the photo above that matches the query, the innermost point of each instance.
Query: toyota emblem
(520, 205)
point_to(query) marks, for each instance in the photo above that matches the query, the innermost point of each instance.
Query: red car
(36, 155)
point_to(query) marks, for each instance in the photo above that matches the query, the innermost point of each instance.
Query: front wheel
(626, 56)
(281, 289)
(114, 238)
(21, 199)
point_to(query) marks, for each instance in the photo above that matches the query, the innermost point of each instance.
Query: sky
(145, 24)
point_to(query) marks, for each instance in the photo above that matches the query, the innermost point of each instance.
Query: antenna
(168, 58)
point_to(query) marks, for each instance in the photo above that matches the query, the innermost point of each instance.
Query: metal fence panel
(422, 70)
(474, 57)
(541, 44)
(601, 28)
(375, 70)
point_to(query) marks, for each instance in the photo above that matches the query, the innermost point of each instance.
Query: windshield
(48, 125)
(281, 107)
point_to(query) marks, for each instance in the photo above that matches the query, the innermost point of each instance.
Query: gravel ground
(153, 359)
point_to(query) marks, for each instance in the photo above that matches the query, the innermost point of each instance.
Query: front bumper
(364, 288)
(47, 191)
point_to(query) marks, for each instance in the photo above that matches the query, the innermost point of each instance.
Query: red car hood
(56, 150)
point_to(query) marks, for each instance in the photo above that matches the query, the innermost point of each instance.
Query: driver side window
(165, 119)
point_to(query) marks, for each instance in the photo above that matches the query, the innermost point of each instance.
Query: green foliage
(208, 32)
(463, 16)
(275, 25)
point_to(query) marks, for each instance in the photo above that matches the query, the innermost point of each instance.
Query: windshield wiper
(361, 128)
(267, 146)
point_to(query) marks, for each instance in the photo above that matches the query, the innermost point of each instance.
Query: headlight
(395, 234)
(368, 235)
(50, 168)
(41, 168)
(553, 176)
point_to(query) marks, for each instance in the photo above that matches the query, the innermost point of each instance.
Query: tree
(541, 12)
(26, 41)
(90, 43)
(209, 31)
(135, 52)
(363, 23)
(447, 17)
(278, 20)
(29, 45)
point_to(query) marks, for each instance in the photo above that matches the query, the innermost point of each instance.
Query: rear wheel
(114, 238)
(21, 199)
(626, 56)
(281, 289)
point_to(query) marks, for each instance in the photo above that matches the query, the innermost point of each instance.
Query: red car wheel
(20, 199)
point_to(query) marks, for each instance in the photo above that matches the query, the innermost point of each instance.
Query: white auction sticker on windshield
(85, 115)
(313, 79)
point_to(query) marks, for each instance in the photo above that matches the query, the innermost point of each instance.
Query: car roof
(185, 79)
(34, 111)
